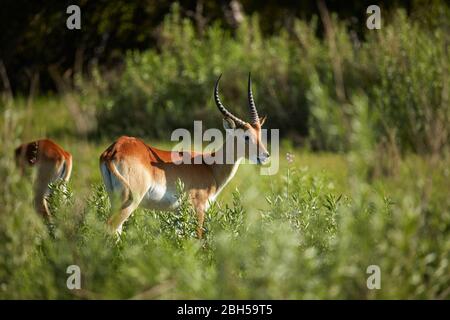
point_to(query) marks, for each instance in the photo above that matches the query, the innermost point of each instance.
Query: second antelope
(52, 163)
(142, 175)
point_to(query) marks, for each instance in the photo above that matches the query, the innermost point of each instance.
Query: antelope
(143, 175)
(52, 163)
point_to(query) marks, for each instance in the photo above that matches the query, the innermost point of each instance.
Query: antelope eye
(247, 138)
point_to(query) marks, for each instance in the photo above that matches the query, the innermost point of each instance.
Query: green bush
(312, 240)
(169, 88)
(403, 69)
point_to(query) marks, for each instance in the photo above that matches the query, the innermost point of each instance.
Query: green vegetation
(367, 181)
(309, 232)
(396, 80)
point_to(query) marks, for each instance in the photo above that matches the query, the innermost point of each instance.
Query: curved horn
(254, 118)
(222, 108)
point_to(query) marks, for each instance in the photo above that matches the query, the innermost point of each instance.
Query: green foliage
(312, 240)
(411, 95)
(179, 79)
(310, 231)
(181, 224)
(308, 203)
(401, 70)
(110, 29)
(61, 195)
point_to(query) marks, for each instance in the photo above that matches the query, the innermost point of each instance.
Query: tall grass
(306, 236)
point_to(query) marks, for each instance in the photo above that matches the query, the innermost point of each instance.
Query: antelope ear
(228, 123)
(262, 120)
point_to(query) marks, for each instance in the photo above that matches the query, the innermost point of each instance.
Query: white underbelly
(160, 197)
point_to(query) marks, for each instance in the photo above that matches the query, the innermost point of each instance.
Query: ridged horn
(222, 108)
(254, 118)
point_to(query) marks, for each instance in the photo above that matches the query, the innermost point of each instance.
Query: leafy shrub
(403, 69)
(312, 241)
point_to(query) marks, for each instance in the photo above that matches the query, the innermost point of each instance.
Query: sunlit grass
(310, 231)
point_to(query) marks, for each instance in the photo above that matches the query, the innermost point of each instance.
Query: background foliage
(401, 70)
(110, 28)
(364, 116)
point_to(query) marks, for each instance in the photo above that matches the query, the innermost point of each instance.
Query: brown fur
(143, 166)
(51, 162)
(149, 176)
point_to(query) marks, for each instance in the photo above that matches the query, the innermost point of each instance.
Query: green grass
(310, 231)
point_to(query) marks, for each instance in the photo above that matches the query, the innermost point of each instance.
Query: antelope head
(250, 132)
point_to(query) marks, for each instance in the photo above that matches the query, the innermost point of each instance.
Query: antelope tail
(67, 169)
(127, 189)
